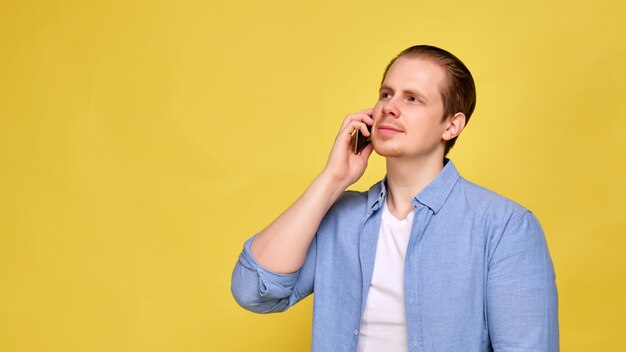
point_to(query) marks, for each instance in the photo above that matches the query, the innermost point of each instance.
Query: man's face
(408, 115)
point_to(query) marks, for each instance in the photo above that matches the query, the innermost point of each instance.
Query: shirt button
(356, 332)
(411, 297)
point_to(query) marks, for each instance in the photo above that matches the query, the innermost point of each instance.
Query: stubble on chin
(388, 149)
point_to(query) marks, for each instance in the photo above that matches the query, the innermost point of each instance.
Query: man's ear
(456, 124)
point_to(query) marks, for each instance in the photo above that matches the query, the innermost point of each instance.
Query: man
(423, 261)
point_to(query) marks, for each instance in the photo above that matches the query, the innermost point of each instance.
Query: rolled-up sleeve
(522, 300)
(263, 291)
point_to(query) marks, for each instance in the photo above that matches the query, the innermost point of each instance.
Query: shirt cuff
(271, 284)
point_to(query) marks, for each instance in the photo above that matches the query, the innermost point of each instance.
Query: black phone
(360, 141)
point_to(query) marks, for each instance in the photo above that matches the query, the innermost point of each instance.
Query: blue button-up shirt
(478, 275)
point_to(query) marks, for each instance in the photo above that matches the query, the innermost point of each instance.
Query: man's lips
(388, 128)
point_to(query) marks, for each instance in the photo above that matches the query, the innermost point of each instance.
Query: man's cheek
(377, 113)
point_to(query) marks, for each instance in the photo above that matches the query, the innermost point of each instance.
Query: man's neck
(407, 178)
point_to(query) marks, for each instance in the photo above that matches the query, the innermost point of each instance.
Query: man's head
(456, 88)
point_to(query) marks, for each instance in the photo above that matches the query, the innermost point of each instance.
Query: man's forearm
(282, 246)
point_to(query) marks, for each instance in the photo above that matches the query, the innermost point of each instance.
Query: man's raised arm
(280, 250)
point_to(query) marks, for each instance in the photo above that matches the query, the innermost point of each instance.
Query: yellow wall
(141, 142)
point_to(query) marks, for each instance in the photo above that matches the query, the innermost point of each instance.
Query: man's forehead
(415, 73)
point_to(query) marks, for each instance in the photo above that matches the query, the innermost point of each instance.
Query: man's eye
(414, 99)
(384, 95)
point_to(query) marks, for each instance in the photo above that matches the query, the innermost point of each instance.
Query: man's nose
(390, 108)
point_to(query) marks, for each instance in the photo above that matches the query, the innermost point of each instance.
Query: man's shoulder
(354, 203)
(482, 199)
(352, 200)
(348, 212)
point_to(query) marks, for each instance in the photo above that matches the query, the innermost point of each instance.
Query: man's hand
(343, 165)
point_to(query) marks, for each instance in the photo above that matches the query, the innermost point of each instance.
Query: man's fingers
(353, 126)
(363, 115)
(364, 130)
(364, 119)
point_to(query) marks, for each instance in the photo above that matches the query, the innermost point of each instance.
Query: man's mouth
(388, 129)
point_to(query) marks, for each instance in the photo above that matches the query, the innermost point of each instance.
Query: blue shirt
(478, 274)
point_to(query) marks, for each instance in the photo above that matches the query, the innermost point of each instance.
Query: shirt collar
(433, 195)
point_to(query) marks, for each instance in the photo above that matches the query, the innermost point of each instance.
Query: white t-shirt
(383, 325)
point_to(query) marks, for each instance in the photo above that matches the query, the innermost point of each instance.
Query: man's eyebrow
(405, 91)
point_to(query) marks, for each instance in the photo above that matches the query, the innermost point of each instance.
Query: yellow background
(141, 142)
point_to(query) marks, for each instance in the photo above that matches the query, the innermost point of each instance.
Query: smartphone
(360, 141)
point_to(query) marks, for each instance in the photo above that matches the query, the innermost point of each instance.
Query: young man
(423, 261)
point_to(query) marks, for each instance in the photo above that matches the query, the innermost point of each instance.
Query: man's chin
(388, 150)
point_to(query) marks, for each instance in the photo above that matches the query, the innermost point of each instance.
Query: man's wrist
(330, 185)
